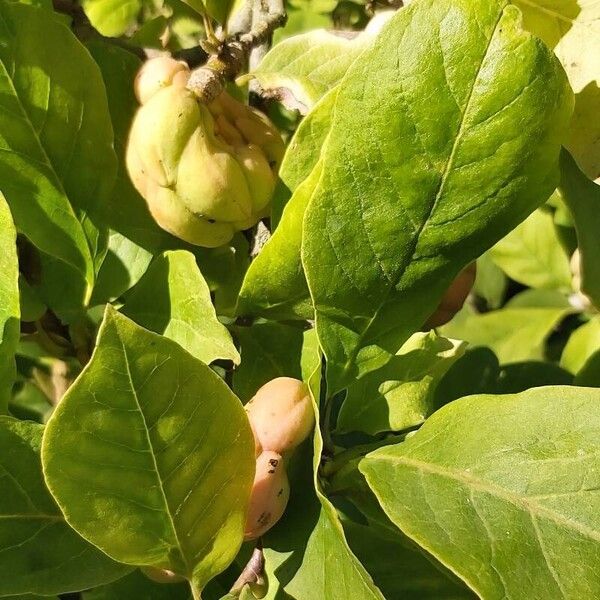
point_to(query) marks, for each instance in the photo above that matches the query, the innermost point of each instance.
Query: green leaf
(224, 269)
(487, 477)
(59, 163)
(41, 554)
(136, 585)
(466, 157)
(479, 372)
(10, 311)
(532, 254)
(173, 299)
(514, 334)
(112, 18)
(572, 28)
(398, 568)
(304, 15)
(308, 65)
(400, 395)
(275, 285)
(268, 350)
(490, 282)
(31, 307)
(583, 342)
(589, 374)
(219, 9)
(124, 265)
(150, 455)
(582, 197)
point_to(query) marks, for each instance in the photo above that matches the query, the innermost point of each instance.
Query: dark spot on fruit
(273, 462)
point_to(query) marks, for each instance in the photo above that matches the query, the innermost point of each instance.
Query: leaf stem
(196, 593)
(341, 459)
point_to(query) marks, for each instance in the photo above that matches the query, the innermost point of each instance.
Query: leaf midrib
(441, 187)
(473, 483)
(152, 454)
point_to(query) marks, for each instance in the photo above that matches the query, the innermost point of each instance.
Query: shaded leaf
(582, 197)
(268, 350)
(583, 342)
(41, 554)
(173, 299)
(59, 163)
(10, 311)
(514, 334)
(400, 395)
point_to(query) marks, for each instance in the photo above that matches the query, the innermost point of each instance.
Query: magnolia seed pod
(269, 496)
(454, 298)
(158, 73)
(281, 414)
(161, 575)
(202, 179)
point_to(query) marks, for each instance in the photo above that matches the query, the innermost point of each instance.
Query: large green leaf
(400, 395)
(308, 65)
(503, 491)
(150, 455)
(58, 164)
(532, 254)
(429, 162)
(40, 553)
(582, 196)
(112, 17)
(275, 285)
(572, 28)
(10, 311)
(173, 299)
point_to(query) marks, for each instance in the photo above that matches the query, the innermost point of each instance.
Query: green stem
(341, 459)
(196, 593)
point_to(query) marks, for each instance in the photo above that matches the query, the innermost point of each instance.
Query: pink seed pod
(270, 495)
(281, 414)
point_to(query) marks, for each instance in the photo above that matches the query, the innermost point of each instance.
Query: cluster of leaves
(454, 463)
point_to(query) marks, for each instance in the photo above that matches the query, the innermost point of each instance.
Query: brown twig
(208, 81)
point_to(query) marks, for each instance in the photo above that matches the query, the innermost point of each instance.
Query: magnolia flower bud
(281, 414)
(269, 497)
